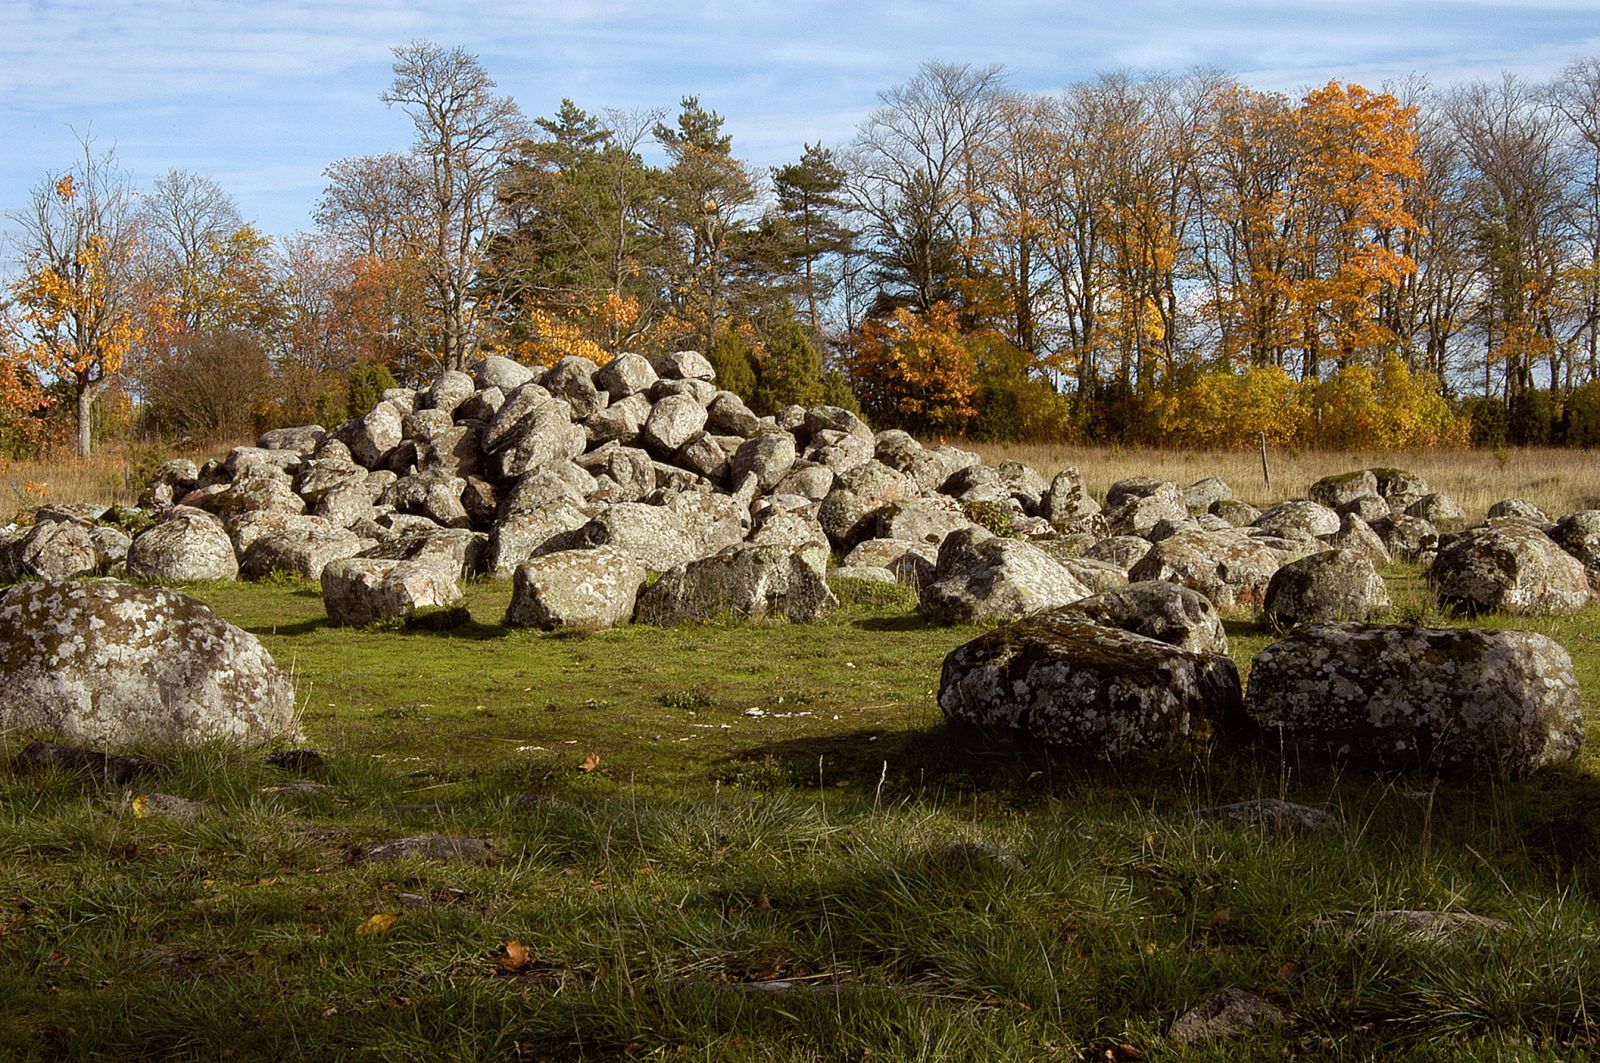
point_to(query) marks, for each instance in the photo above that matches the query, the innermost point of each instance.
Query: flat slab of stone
(1230, 1013)
(438, 848)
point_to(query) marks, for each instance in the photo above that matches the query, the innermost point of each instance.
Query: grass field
(724, 842)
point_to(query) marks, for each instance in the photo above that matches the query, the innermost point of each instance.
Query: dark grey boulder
(1098, 692)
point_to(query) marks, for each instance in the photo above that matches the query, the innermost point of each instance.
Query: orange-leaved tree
(79, 303)
(915, 369)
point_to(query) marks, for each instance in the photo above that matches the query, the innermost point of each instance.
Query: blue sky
(263, 95)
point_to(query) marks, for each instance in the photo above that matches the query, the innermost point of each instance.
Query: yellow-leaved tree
(78, 302)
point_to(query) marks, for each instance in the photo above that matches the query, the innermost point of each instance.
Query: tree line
(1156, 258)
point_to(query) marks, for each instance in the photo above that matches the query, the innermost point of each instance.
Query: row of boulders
(1144, 668)
(591, 474)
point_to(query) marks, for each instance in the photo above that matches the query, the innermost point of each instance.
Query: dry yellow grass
(108, 477)
(1557, 480)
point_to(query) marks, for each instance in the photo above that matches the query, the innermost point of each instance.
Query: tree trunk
(86, 396)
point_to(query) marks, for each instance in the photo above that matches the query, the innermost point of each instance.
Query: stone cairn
(578, 481)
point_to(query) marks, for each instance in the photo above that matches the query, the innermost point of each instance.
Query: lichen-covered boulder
(1137, 504)
(524, 535)
(1356, 534)
(981, 578)
(1087, 689)
(1520, 509)
(673, 421)
(746, 580)
(654, 536)
(1400, 488)
(1067, 500)
(1155, 609)
(1441, 699)
(1406, 537)
(1124, 551)
(1436, 509)
(1579, 535)
(1229, 567)
(921, 520)
(360, 590)
(297, 546)
(375, 434)
(767, 457)
(545, 434)
(1329, 585)
(584, 590)
(498, 371)
(1204, 493)
(572, 379)
(1298, 519)
(186, 547)
(1334, 491)
(112, 664)
(624, 375)
(53, 550)
(1510, 567)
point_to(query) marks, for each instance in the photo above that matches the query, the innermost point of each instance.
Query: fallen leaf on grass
(378, 924)
(1222, 917)
(590, 762)
(516, 957)
(141, 807)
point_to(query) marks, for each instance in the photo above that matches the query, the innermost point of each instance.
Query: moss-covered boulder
(1334, 491)
(1093, 691)
(1155, 609)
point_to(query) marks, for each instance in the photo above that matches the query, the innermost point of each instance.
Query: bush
(367, 385)
(1580, 417)
(1486, 420)
(209, 385)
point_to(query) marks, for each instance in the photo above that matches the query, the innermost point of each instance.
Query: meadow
(735, 842)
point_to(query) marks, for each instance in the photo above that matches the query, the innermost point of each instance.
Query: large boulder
(624, 375)
(360, 590)
(1334, 491)
(572, 379)
(767, 457)
(1228, 567)
(981, 578)
(1511, 567)
(654, 536)
(297, 546)
(1579, 535)
(1155, 609)
(1067, 500)
(746, 580)
(374, 435)
(545, 434)
(1137, 504)
(1403, 697)
(112, 664)
(1298, 519)
(585, 590)
(186, 547)
(1329, 585)
(524, 535)
(54, 550)
(673, 421)
(1096, 691)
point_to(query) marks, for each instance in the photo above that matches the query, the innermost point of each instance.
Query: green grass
(713, 849)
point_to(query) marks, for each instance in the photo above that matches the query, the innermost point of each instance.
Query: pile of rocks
(578, 480)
